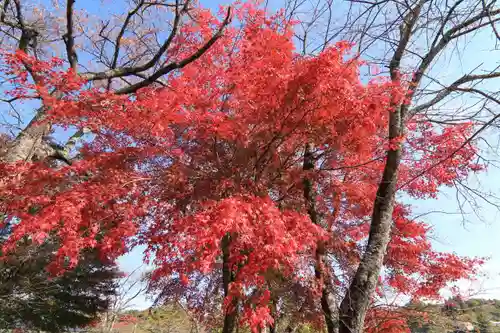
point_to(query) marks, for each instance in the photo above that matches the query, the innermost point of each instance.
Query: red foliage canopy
(219, 153)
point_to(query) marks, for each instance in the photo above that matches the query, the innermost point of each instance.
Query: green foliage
(168, 319)
(171, 318)
(33, 299)
(478, 312)
(473, 303)
(483, 323)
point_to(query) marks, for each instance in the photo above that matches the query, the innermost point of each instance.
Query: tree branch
(466, 142)
(69, 39)
(492, 23)
(4, 10)
(406, 29)
(445, 21)
(126, 71)
(116, 53)
(443, 42)
(453, 87)
(177, 65)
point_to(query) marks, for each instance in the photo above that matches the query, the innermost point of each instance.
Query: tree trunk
(29, 144)
(355, 303)
(274, 312)
(329, 309)
(228, 277)
(327, 300)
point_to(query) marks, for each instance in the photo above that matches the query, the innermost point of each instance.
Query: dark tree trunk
(355, 303)
(327, 301)
(274, 313)
(230, 315)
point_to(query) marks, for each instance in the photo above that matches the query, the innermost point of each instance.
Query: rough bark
(228, 277)
(29, 144)
(355, 303)
(327, 300)
(69, 39)
(274, 314)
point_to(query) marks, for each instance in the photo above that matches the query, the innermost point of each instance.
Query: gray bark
(29, 144)
(327, 300)
(355, 303)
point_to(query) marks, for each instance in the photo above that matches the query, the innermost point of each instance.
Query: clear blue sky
(475, 238)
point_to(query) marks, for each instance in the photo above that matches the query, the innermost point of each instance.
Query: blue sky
(474, 238)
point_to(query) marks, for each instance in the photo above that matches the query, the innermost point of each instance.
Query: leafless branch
(68, 38)
(126, 71)
(4, 10)
(119, 37)
(455, 86)
(177, 65)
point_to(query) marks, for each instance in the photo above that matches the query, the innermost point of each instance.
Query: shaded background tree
(31, 298)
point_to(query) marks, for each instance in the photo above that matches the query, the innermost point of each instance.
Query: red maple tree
(253, 167)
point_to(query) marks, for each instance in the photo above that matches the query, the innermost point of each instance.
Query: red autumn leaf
(208, 173)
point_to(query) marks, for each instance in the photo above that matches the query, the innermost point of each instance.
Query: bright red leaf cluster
(218, 154)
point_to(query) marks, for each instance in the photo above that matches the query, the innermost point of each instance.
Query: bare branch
(4, 10)
(453, 87)
(126, 71)
(177, 65)
(406, 29)
(68, 38)
(492, 23)
(445, 22)
(120, 36)
(27, 34)
(455, 31)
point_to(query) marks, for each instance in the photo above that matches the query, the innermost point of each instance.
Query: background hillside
(477, 315)
(473, 315)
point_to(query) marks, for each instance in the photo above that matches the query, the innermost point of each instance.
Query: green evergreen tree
(31, 298)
